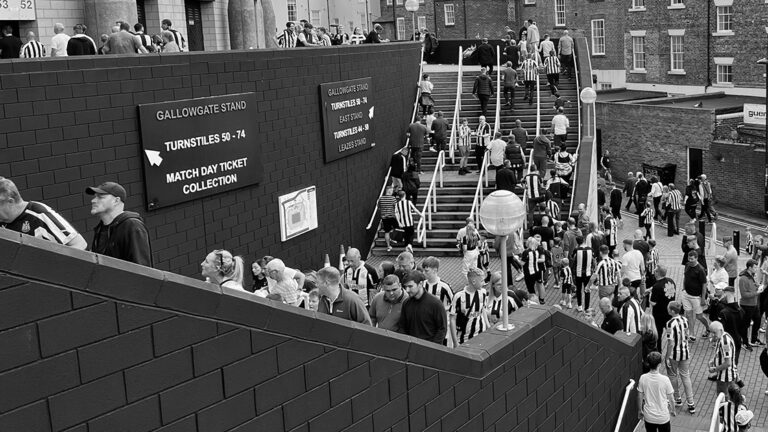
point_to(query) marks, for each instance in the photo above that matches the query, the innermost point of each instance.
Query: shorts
(389, 224)
(469, 260)
(530, 282)
(567, 288)
(691, 303)
(605, 291)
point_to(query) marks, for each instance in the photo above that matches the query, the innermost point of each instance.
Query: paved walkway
(702, 351)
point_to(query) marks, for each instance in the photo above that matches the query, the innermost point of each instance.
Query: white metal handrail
(407, 141)
(497, 118)
(538, 105)
(624, 404)
(430, 202)
(456, 108)
(578, 111)
(714, 424)
(525, 188)
(478, 199)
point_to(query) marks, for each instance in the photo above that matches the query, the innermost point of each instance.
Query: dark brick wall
(113, 346)
(740, 161)
(67, 124)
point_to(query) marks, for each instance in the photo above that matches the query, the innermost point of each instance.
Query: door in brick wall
(194, 25)
(14, 26)
(142, 14)
(695, 163)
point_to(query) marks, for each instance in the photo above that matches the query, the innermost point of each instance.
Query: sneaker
(562, 302)
(692, 338)
(678, 401)
(712, 377)
(433, 150)
(541, 302)
(748, 347)
(762, 330)
(758, 342)
(409, 248)
(580, 309)
(519, 277)
(691, 409)
(569, 306)
(389, 248)
(705, 335)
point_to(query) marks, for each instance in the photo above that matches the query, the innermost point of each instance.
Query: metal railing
(578, 144)
(456, 109)
(430, 202)
(407, 141)
(714, 424)
(624, 404)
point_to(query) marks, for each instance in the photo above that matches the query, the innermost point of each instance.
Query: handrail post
(624, 404)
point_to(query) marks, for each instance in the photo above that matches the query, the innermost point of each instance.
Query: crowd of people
(124, 39)
(305, 34)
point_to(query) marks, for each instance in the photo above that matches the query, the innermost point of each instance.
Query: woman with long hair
(650, 336)
(564, 162)
(357, 37)
(260, 284)
(223, 268)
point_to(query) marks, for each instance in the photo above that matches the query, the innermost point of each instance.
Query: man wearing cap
(35, 218)
(748, 302)
(120, 234)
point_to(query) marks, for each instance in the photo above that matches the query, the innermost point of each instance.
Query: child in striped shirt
(566, 278)
(647, 219)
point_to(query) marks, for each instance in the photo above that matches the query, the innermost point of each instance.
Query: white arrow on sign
(154, 157)
(370, 112)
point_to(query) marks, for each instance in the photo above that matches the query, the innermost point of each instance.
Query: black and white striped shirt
(530, 259)
(32, 49)
(179, 39)
(473, 307)
(497, 303)
(677, 338)
(533, 185)
(530, 70)
(442, 291)
(287, 39)
(611, 231)
(607, 272)
(552, 63)
(43, 222)
(553, 210)
(675, 200)
(583, 261)
(566, 276)
(403, 213)
(728, 411)
(725, 349)
(630, 315)
(362, 277)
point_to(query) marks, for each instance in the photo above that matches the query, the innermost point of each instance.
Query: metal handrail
(430, 202)
(538, 104)
(624, 404)
(407, 141)
(474, 212)
(578, 144)
(456, 108)
(525, 188)
(715, 423)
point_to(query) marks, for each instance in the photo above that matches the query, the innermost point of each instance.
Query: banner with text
(754, 114)
(195, 148)
(17, 10)
(348, 112)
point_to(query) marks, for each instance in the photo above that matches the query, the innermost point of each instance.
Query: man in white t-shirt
(655, 397)
(496, 151)
(632, 264)
(59, 41)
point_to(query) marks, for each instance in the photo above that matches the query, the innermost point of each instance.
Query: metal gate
(194, 25)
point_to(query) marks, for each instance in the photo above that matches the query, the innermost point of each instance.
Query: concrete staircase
(454, 199)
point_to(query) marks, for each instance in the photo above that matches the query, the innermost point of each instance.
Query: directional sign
(195, 148)
(17, 10)
(348, 117)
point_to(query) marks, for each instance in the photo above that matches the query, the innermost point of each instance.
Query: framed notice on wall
(17, 10)
(348, 117)
(195, 148)
(298, 213)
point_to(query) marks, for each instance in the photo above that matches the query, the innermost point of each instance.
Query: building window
(534, 1)
(605, 85)
(560, 13)
(293, 14)
(422, 1)
(638, 4)
(399, 2)
(598, 37)
(676, 4)
(450, 17)
(724, 19)
(725, 74)
(638, 52)
(401, 29)
(389, 2)
(676, 53)
(422, 22)
(314, 17)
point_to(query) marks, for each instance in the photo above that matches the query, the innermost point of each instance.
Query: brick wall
(84, 349)
(68, 124)
(742, 162)
(472, 19)
(746, 45)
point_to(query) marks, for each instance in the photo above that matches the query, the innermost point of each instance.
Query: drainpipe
(708, 82)
(465, 19)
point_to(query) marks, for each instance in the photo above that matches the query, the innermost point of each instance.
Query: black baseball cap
(110, 188)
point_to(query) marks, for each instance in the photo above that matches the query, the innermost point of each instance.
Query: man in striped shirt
(611, 228)
(582, 262)
(722, 362)
(607, 274)
(288, 38)
(552, 64)
(674, 205)
(33, 48)
(404, 214)
(388, 220)
(469, 315)
(530, 72)
(166, 25)
(438, 288)
(360, 276)
(678, 355)
(630, 311)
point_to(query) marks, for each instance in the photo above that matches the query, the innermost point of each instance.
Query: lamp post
(502, 213)
(588, 97)
(412, 6)
(764, 61)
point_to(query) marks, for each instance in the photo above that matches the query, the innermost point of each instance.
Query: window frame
(593, 38)
(399, 2)
(295, 5)
(721, 22)
(676, 4)
(635, 53)
(400, 30)
(389, 3)
(723, 62)
(673, 36)
(638, 5)
(319, 17)
(560, 4)
(452, 13)
(421, 19)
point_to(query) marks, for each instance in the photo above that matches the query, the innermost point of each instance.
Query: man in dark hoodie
(541, 151)
(732, 317)
(486, 55)
(748, 302)
(483, 89)
(120, 234)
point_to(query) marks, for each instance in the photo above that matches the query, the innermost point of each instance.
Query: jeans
(705, 209)
(751, 314)
(581, 283)
(416, 157)
(530, 91)
(554, 82)
(652, 427)
(681, 368)
(673, 222)
(509, 95)
(484, 103)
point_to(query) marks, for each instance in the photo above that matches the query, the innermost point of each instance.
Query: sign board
(195, 148)
(17, 10)
(298, 213)
(754, 114)
(348, 114)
